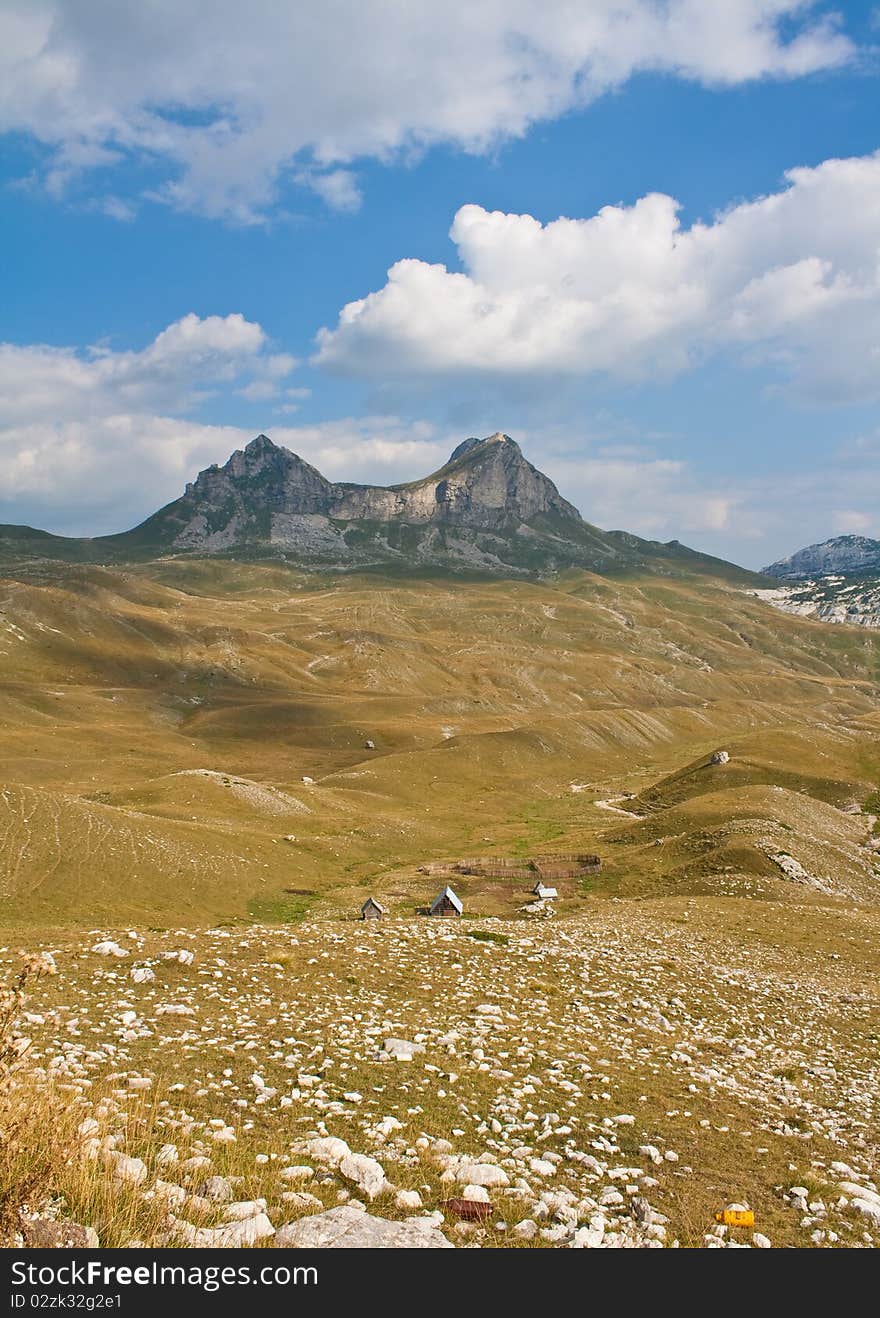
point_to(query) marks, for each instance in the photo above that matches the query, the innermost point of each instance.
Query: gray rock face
(235, 503)
(486, 483)
(266, 495)
(845, 555)
(347, 1227)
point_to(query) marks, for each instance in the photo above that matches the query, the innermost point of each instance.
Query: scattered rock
(328, 1149)
(109, 948)
(402, 1049)
(131, 1170)
(298, 1173)
(217, 1189)
(185, 957)
(482, 1173)
(347, 1227)
(234, 1235)
(365, 1173)
(46, 1233)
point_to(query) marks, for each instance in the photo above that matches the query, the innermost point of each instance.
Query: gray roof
(542, 888)
(447, 892)
(374, 901)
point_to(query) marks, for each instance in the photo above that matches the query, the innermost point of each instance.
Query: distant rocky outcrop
(835, 581)
(266, 493)
(851, 600)
(845, 555)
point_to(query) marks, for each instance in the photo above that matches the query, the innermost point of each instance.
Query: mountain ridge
(487, 509)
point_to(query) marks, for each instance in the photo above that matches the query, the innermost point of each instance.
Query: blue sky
(177, 231)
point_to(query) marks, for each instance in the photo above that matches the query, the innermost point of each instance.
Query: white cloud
(849, 521)
(86, 435)
(190, 357)
(747, 519)
(224, 97)
(377, 450)
(792, 278)
(338, 187)
(658, 498)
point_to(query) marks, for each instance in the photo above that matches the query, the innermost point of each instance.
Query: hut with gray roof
(373, 910)
(446, 903)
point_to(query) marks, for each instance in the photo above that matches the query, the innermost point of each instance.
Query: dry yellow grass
(158, 725)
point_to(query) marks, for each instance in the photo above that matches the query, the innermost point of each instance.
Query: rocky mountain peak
(487, 508)
(480, 445)
(262, 446)
(846, 555)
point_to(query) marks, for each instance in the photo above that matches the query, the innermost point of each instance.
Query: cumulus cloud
(88, 434)
(38, 382)
(379, 450)
(94, 441)
(730, 513)
(224, 97)
(792, 278)
(659, 498)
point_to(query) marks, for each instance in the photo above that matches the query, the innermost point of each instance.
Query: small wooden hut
(373, 910)
(446, 903)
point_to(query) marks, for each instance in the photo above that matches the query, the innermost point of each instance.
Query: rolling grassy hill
(159, 721)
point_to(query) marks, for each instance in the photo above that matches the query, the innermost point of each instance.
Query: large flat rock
(351, 1228)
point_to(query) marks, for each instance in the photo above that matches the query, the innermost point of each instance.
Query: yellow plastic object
(736, 1217)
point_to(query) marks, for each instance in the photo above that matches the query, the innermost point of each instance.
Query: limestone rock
(347, 1227)
(365, 1173)
(217, 1189)
(131, 1170)
(482, 1173)
(234, 1235)
(46, 1233)
(402, 1048)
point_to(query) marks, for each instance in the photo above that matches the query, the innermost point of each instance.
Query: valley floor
(610, 1079)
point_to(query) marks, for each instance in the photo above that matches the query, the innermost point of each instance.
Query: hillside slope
(189, 739)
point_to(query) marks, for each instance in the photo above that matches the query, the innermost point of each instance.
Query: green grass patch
(488, 936)
(280, 908)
